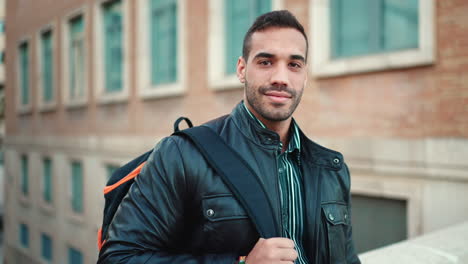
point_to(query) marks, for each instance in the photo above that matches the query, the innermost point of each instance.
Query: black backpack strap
(238, 175)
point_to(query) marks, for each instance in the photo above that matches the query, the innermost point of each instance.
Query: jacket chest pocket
(226, 225)
(222, 207)
(337, 221)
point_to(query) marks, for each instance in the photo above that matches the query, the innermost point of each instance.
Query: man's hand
(272, 251)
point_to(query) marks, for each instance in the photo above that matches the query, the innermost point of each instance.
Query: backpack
(235, 172)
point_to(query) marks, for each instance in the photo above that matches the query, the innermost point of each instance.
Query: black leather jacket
(163, 218)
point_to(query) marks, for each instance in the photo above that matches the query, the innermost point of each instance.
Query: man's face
(275, 73)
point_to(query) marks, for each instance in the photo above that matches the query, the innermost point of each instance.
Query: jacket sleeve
(148, 226)
(351, 256)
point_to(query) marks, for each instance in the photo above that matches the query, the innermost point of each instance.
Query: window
(161, 46)
(113, 46)
(240, 14)
(365, 27)
(46, 69)
(24, 182)
(76, 59)
(47, 180)
(369, 35)
(24, 74)
(112, 49)
(163, 32)
(74, 256)
(77, 187)
(229, 21)
(46, 247)
(24, 235)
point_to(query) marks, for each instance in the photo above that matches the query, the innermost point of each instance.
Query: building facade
(93, 83)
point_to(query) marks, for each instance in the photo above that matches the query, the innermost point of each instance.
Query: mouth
(278, 96)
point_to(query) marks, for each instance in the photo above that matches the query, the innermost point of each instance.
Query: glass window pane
(113, 45)
(24, 72)
(46, 247)
(24, 235)
(47, 60)
(163, 41)
(76, 54)
(362, 27)
(400, 24)
(77, 187)
(352, 30)
(24, 175)
(47, 180)
(240, 14)
(74, 256)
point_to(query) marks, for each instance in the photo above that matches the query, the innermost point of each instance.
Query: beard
(272, 111)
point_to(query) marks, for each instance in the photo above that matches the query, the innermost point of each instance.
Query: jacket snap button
(336, 161)
(346, 216)
(210, 212)
(331, 217)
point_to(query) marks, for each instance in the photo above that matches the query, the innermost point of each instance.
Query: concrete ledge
(445, 246)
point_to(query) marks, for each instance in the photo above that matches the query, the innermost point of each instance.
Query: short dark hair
(281, 19)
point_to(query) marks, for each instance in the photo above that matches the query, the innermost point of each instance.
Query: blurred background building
(90, 84)
(2, 117)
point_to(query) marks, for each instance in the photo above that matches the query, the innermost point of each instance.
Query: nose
(280, 76)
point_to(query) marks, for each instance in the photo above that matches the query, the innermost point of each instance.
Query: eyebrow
(269, 55)
(264, 55)
(297, 57)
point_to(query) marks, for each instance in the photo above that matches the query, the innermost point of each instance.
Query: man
(180, 211)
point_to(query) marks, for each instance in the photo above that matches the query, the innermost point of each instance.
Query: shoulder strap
(238, 175)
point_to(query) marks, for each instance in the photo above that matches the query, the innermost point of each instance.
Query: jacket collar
(252, 129)
(294, 145)
(313, 152)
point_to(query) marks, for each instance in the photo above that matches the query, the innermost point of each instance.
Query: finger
(280, 242)
(286, 254)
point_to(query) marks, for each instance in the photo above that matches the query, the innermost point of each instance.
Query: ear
(241, 65)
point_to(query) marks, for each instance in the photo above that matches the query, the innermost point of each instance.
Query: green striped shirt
(291, 189)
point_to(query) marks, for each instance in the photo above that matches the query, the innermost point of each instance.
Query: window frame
(101, 95)
(146, 89)
(20, 235)
(46, 106)
(70, 189)
(25, 195)
(44, 205)
(77, 249)
(24, 108)
(324, 66)
(76, 102)
(73, 216)
(51, 260)
(51, 202)
(217, 80)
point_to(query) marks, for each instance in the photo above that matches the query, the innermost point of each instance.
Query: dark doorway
(377, 222)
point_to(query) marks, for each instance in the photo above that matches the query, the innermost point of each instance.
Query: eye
(265, 62)
(295, 65)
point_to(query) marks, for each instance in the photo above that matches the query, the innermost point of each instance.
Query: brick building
(92, 83)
